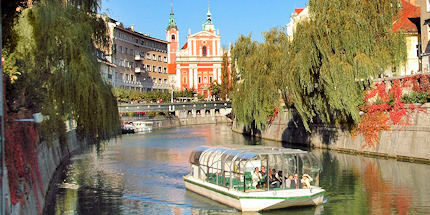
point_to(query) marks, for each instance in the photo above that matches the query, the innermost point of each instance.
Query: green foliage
(55, 54)
(415, 97)
(256, 95)
(215, 88)
(324, 69)
(225, 87)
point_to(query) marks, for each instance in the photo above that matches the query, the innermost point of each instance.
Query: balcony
(139, 57)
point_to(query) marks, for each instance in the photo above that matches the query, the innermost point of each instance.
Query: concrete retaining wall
(50, 157)
(410, 142)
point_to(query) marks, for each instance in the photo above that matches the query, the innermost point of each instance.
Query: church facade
(198, 63)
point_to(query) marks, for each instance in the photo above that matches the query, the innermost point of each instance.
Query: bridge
(179, 109)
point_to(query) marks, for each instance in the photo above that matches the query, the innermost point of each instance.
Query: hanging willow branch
(56, 55)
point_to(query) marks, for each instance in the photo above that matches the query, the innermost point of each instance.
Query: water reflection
(142, 174)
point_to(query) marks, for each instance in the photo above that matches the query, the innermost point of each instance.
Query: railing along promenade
(172, 107)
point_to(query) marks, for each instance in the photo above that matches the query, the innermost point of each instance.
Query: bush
(415, 97)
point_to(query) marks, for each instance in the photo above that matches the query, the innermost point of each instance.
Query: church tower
(172, 36)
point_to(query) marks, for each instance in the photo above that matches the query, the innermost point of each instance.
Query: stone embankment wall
(50, 156)
(410, 142)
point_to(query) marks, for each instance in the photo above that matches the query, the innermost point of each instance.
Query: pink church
(199, 62)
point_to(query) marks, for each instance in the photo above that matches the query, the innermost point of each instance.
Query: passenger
(263, 176)
(274, 183)
(306, 181)
(280, 176)
(295, 183)
(256, 177)
(288, 181)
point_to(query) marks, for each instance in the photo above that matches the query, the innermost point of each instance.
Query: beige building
(141, 60)
(425, 33)
(297, 16)
(409, 23)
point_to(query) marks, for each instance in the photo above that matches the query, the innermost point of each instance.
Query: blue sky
(231, 17)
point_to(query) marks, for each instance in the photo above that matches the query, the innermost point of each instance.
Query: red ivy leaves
(380, 117)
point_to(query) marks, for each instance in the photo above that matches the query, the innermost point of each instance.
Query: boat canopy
(223, 164)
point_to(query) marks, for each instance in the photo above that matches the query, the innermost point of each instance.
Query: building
(409, 23)
(141, 60)
(107, 69)
(425, 33)
(199, 62)
(297, 16)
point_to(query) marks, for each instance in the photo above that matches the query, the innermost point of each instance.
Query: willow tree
(256, 94)
(55, 53)
(336, 52)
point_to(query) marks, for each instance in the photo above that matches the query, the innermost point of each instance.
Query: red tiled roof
(298, 10)
(404, 23)
(185, 46)
(172, 69)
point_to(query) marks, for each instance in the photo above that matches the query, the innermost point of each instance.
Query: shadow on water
(142, 174)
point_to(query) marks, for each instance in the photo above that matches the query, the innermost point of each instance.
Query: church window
(173, 37)
(200, 80)
(204, 51)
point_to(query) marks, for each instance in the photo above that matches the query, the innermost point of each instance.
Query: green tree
(256, 94)
(53, 47)
(225, 87)
(335, 54)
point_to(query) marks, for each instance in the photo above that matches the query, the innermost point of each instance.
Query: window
(210, 79)
(200, 79)
(126, 50)
(131, 51)
(165, 80)
(148, 68)
(159, 58)
(165, 59)
(154, 69)
(173, 37)
(115, 61)
(159, 80)
(126, 77)
(159, 69)
(120, 49)
(205, 80)
(126, 64)
(428, 5)
(132, 77)
(165, 70)
(154, 80)
(153, 57)
(148, 56)
(131, 65)
(204, 51)
(142, 42)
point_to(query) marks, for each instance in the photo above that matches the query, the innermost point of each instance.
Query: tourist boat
(142, 126)
(224, 174)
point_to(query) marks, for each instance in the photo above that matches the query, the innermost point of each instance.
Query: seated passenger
(256, 177)
(274, 183)
(288, 181)
(295, 183)
(263, 176)
(306, 181)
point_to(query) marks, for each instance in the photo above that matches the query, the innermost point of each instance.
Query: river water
(142, 174)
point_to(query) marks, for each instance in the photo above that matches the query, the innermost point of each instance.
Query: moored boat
(231, 175)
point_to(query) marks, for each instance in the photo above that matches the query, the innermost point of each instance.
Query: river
(142, 174)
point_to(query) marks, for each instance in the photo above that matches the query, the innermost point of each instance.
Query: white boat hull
(255, 201)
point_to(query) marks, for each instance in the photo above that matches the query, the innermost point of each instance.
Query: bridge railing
(171, 107)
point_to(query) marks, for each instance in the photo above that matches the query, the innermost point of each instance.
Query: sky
(231, 17)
